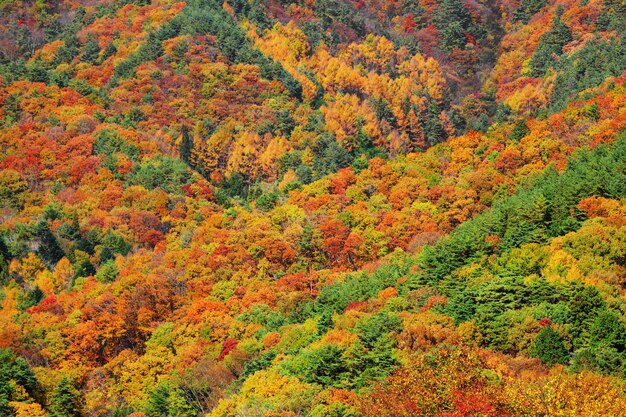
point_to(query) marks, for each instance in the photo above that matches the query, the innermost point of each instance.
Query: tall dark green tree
(520, 130)
(527, 10)
(168, 400)
(65, 400)
(13, 371)
(49, 249)
(91, 50)
(550, 46)
(549, 347)
(453, 21)
(186, 146)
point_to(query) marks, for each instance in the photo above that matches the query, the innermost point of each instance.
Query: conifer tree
(548, 346)
(550, 45)
(65, 401)
(186, 146)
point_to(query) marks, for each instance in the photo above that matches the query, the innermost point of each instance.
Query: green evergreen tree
(608, 330)
(13, 371)
(549, 347)
(550, 44)
(453, 21)
(65, 400)
(520, 130)
(49, 249)
(108, 52)
(108, 271)
(186, 146)
(167, 400)
(91, 50)
(527, 10)
(37, 73)
(433, 130)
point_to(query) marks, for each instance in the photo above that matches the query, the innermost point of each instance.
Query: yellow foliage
(23, 409)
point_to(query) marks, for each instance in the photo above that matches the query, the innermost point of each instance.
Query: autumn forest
(312, 208)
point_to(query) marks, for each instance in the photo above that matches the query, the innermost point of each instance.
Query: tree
(15, 374)
(49, 249)
(65, 400)
(13, 188)
(108, 272)
(186, 146)
(550, 45)
(520, 130)
(167, 400)
(527, 10)
(607, 329)
(324, 366)
(549, 347)
(91, 50)
(453, 21)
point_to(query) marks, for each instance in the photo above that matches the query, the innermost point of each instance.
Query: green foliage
(358, 287)
(453, 21)
(546, 209)
(163, 172)
(324, 366)
(108, 51)
(588, 67)
(432, 127)
(167, 400)
(373, 363)
(603, 359)
(550, 44)
(186, 145)
(65, 400)
(520, 130)
(260, 363)
(549, 347)
(109, 141)
(371, 357)
(267, 201)
(30, 298)
(50, 252)
(527, 9)
(14, 372)
(608, 330)
(208, 17)
(107, 272)
(264, 315)
(91, 50)
(583, 304)
(372, 329)
(36, 73)
(499, 286)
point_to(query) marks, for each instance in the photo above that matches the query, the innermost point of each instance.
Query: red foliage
(49, 304)
(228, 345)
(408, 24)
(545, 322)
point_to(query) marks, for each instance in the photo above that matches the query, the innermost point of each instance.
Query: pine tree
(186, 146)
(550, 44)
(527, 10)
(91, 50)
(520, 130)
(108, 52)
(49, 249)
(452, 21)
(65, 401)
(548, 346)
(14, 374)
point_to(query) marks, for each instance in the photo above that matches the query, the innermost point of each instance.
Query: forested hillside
(324, 208)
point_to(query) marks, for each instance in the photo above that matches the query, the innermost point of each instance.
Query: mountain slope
(312, 208)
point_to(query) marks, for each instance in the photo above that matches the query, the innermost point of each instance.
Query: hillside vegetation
(312, 208)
